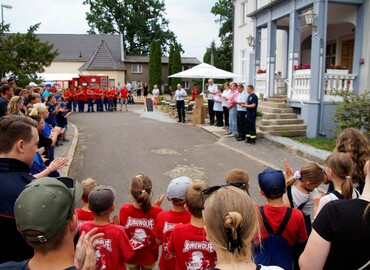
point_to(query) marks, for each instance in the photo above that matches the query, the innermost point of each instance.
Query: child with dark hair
(188, 241)
(167, 220)
(274, 214)
(139, 219)
(116, 248)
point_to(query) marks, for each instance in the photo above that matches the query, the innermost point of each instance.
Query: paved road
(115, 146)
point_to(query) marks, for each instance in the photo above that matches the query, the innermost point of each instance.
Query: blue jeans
(233, 128)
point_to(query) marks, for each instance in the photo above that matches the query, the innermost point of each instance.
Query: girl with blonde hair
(138, 219)
(231, 222)
(15, 105)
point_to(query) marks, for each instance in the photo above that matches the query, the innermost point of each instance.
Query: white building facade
(271, 38)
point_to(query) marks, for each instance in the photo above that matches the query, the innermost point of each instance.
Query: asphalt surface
(113, 147)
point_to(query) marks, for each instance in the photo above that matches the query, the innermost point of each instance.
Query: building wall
(365, 68)
(64, 67)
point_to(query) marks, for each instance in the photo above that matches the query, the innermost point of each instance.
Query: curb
(71, 151)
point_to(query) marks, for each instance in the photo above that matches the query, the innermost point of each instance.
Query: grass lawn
(324, 144)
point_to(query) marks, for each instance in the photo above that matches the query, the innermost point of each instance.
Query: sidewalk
(270, 151)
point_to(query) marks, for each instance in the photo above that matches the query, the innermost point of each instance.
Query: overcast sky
(191, 20)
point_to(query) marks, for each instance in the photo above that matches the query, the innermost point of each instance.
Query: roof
(102, 59)
(164, 59)
(78, 47)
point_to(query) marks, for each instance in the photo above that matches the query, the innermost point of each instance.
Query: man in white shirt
(211, 92)
(129, 86)
(180, 95)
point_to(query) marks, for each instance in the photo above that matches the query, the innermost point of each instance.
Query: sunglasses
(71, 184)
(210, 190)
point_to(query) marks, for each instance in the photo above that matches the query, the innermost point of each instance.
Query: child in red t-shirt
(188, 241)
(273, 186)
(167, 220)
(116, 248)
(139, 219)
(84, 213)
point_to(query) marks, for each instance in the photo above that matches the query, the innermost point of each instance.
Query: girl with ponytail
(338, 170)
(139, 220)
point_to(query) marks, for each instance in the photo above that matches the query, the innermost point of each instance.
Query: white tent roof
(204, 71)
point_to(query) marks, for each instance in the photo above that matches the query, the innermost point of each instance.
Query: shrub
(353, 111)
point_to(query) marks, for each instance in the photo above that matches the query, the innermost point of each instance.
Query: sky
(190, 20)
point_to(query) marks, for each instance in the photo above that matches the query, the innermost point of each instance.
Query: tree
(176, 65)
(223, 54)
(155, 65)
(24, 55)
(140, 22)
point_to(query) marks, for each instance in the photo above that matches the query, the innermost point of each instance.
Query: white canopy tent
(205, 71)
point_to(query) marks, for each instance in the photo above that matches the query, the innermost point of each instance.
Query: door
(347, 53)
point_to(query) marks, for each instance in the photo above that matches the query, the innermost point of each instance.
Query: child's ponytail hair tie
(297, 175)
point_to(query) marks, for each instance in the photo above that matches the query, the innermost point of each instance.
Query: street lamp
(309, 17)
(2, 11)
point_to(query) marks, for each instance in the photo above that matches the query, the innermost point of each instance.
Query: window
(185, 68)
(331, 50)
(243, 64)
(137, 68)
(244, 12)
(112, 83)
(185, 84)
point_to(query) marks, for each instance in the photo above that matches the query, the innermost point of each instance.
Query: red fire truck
(96, 81)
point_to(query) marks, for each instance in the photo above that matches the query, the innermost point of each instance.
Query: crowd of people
(207, 227)
(234, 108)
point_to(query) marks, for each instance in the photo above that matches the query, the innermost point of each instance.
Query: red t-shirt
(84, 216)
(116, 249)
(191, 248)
(68, 95)
(80, 94)
(105, 92)
(295, 229)
(139, 227)
(166, 221)
(111, 94)
(98, 94)
(90, 93)
(124, 92)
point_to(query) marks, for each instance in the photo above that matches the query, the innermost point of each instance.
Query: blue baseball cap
(272, 181)
(63, 104)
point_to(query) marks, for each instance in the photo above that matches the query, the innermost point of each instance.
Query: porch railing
(279, 85)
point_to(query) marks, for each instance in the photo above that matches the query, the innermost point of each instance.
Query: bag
(274, 249)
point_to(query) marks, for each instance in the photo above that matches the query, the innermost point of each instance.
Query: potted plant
(302, 69)
(337, 69)
(261, 96)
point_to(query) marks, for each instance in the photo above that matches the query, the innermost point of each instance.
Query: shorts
(147, 266)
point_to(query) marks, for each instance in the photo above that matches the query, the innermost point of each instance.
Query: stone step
(272, 122)
(291, 133)
(268, 115)
(275, 100)
(273, 104)
(286, 128)
(264, 109)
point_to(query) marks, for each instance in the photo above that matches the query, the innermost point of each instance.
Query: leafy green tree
(24, 55)
(222, 54)
(140, 22)
(176, 65)
(353, 111)
(155, 65)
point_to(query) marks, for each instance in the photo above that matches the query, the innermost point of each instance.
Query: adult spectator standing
(252, 104)
(241, 112)
(231, 104)
(145, 90)
(129, 86)
(124, 96)
(225, 98)
(18, 146)
(6, 95)
(117, 98)
(180, 95)
(211, 92)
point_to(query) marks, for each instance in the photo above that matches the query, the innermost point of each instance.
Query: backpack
(339, 195)
(274, 249)
(307, 218)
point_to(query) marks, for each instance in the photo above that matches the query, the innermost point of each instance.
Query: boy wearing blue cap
(278, 219)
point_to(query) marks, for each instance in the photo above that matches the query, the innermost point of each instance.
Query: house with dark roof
(83, 54)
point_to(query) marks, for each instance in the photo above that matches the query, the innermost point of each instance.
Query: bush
(353, 111)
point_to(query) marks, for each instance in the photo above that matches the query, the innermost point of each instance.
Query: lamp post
(2, 11)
